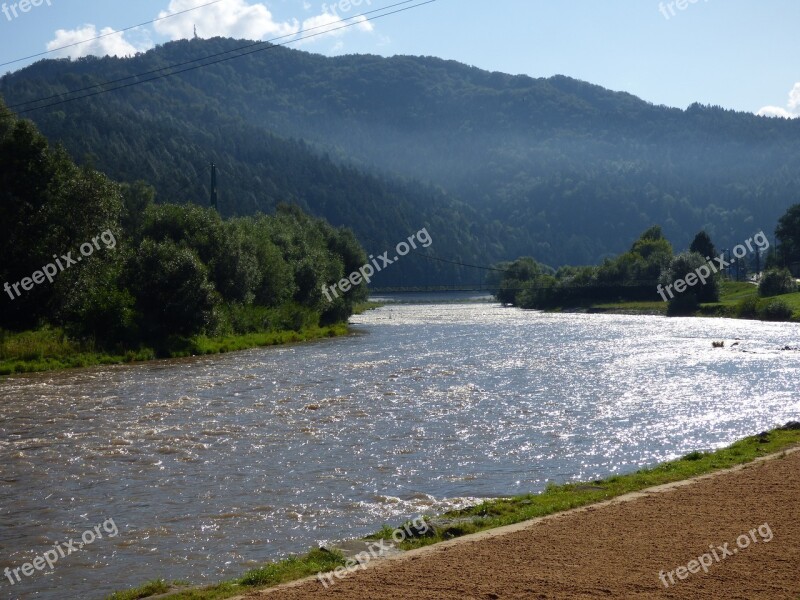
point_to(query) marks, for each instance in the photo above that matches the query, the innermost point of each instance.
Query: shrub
(688, 263)
(776, 310)
(692, 456)
(173, 294)
(683, 305)
(748, 308)
(776, 282)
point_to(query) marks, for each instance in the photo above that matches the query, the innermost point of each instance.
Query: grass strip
(49, 349)
(270, 575)
(508, 511)
(738, 300)
(362, 307)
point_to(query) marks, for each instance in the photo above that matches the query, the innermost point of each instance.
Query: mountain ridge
(556, 168)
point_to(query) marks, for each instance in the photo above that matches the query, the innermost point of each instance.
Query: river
(210, 466)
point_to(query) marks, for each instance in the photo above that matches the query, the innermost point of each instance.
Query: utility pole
(214, 187)
(738, 264)
(758, 265)
(727, 269)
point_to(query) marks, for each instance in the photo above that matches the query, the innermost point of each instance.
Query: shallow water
(209, 466)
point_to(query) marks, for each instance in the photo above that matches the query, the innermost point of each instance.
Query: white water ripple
(211, 465)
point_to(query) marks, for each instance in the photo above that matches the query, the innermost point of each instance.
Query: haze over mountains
(495, 166)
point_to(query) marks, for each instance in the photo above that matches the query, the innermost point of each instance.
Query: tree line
(652, 271)
(174, 271)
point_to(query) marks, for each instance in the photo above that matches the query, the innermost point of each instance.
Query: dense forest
(493, 165)
(105, 263)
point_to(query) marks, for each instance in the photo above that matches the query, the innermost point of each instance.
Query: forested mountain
(495, 166)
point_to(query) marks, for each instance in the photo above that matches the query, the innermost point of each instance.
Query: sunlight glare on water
(212, 465)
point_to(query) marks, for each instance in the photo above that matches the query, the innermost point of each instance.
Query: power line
(628, 283)
(460, 264)
(169, 16)
(206, 64)
(489, 287)
(195, 60)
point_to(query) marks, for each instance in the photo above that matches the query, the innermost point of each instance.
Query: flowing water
(210, 466)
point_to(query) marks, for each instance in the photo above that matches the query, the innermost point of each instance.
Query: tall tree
(788, 234)
(703, 246)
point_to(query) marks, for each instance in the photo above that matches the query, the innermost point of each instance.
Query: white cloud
(774, 111)
(229, 18)
(240, 19)
(794, 97)
(792, 110)
(111, 44)
(329, 25)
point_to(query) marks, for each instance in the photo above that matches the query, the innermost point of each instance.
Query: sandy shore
(614, 550)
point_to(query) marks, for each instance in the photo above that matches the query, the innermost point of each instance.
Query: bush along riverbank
(486, 515)
(97, 272)
(651, 279)
(737, 300)
(51, 350)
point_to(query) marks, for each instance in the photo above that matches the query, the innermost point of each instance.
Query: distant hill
(495, 166)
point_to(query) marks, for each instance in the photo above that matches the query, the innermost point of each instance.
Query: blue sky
(740, 54)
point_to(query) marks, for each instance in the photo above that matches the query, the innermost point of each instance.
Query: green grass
(733, 292)
(50, 349)
(643, 308)
(232, 343)
(290, 569)
(793, 300)
(293, 568)
(732, 295)
(35, 345)
(363, 307)
(159, 586)
(507, 511)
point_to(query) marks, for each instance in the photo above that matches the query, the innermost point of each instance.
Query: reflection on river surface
(212, 465)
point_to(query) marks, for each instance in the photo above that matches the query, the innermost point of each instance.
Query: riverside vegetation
(489, 515)
(179, 281)
(629, 283)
